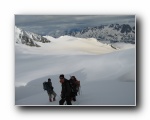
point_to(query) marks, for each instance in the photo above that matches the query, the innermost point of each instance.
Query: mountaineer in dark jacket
(66, 91)
(50, 90)
(74, 87)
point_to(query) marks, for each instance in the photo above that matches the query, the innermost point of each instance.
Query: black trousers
(67, 99)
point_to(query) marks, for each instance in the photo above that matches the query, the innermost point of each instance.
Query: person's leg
(61, 102)
(74, 98)
(54, 96)
(68, 100)
(50, 97)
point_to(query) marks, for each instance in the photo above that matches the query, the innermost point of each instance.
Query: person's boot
(50, 100)
(54, 99)
(74, 99)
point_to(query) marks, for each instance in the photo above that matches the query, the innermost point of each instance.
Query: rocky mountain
(105, 33)
(28, 38)
(111, 33)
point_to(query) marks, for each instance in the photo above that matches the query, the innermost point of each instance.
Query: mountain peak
(28, 38)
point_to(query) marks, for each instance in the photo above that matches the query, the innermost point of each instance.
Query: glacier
(107, 75)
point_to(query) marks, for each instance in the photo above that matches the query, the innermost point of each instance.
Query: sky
(53, 24)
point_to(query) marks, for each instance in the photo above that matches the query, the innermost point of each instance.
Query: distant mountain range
(108, 33)
(105, 33)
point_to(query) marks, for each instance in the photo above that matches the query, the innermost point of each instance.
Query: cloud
(44, 24)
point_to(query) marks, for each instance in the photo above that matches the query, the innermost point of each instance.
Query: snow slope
(72, 45)
(107, 75)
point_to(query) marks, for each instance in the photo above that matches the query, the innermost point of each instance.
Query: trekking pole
(80, 90)
(58, 96)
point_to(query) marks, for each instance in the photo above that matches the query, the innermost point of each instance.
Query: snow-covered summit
(28, 38)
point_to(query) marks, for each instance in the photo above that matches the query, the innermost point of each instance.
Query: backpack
(72, 87)
(45, 85)
(78, 83)
(48, 87)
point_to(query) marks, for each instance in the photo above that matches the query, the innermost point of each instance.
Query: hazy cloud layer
(50, 24)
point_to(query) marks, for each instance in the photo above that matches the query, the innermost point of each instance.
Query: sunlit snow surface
(107, 75)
